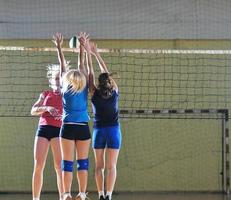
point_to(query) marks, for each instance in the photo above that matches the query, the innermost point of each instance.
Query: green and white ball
(73, 43)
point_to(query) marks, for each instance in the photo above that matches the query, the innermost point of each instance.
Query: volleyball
(73, 42)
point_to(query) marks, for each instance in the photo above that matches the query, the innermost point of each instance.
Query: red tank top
(55, 100)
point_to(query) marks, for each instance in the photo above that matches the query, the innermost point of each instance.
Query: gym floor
(129, 196)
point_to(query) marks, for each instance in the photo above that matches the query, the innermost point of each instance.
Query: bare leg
(41, 146)
(67, 148)
(99, 168)
(112, 156)
(56, 151)
(82, 150)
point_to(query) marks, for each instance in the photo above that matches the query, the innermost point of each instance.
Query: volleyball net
(165, 154)
(148, 79)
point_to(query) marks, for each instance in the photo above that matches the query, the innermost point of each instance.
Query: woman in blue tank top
(106, 137)
(74, 133)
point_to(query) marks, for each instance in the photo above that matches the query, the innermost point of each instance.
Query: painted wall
(120, 19)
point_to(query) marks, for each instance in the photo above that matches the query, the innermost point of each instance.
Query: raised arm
(102, 64)
(58, 41)
(87, 46)
(81, 56)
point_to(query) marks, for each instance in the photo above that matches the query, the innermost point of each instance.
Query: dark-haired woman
(106, 137)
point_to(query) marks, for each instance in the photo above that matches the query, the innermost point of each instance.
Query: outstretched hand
(83, 35)
(84, 40)
(88, 45)
(58, 39)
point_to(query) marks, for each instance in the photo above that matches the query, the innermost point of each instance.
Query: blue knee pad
(67, 166)
(83, 164)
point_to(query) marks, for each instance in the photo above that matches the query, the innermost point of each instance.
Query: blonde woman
(49, 107)
(75, 133)
(106, 138)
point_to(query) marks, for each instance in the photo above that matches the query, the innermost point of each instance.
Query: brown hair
(105, 87)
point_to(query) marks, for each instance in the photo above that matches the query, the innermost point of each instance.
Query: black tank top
(105, 111)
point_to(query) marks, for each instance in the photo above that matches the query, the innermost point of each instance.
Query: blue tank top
(105, 111)
(75, 106)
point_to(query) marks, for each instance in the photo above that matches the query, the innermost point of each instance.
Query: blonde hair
(74, 79)
(52, 71)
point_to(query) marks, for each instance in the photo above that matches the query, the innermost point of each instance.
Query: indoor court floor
(130, 196)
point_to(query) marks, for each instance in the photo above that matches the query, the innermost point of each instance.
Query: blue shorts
(109, 137)
(48, 131)
(75, 132)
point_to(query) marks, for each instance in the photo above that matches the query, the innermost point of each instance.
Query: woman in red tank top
(49, 108)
